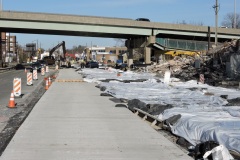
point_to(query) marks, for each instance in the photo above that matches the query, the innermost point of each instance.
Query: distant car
(19, 67)
(92, 64)
(36, 66)
(143, 19)
(223, 27)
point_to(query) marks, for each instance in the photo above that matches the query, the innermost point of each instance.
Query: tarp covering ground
(204, 113)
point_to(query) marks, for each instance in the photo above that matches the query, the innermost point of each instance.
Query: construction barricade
(29, 79)
(201, 78)
(43, 71)
(35, 77)
(47, 69)
(17, 82)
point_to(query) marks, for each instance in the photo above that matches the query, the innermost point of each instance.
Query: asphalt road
(6, 84)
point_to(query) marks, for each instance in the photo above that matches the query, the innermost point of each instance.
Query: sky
(164, 11)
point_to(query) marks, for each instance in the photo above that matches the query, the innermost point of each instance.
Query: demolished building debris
(220, 66)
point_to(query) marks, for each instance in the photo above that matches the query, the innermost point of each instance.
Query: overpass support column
(147, 50)
(130, 57)
(147, 55)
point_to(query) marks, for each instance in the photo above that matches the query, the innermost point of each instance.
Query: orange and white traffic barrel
(47, 69)
(17, 87)
(201, 78)
(29, 79)
(42, 71)
(35, 77)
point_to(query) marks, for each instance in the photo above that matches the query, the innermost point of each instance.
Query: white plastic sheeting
(199, 125)
(95, 75)
(203, 117)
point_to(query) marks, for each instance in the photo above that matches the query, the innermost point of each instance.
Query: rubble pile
(225, 48)
(213, 65)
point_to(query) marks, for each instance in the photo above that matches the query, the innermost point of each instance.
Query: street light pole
(1, 7)
(216, 8)
(235, 16)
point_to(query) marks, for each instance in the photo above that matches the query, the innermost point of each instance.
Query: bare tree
(229, 20)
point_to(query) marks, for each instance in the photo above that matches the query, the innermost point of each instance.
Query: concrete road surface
(72, 122)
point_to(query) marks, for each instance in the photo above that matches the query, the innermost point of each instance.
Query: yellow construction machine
(182, 52)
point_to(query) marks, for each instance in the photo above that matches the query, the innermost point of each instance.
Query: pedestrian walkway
(72, 122)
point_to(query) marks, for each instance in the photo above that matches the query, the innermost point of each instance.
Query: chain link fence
(183, 44)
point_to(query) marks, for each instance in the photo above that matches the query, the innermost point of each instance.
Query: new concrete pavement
(71, 121)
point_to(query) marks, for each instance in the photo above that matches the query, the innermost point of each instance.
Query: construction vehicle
(181, 52)
(60, 57)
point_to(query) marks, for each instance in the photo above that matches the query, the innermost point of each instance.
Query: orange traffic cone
(49, 82)
(11, 103)
(46, 87)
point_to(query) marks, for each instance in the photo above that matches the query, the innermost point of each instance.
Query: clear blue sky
(167, 11)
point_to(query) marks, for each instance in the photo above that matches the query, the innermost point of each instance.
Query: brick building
(8, 47)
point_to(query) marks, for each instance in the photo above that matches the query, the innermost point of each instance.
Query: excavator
(181, 52)
(60, 57)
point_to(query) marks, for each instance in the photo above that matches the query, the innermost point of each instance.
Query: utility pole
(235, 16)
(216, 8)
(1, 54)
(1, 5)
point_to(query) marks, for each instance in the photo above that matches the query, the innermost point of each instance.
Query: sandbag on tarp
(136, 103)
(153, 109)
(156, 109)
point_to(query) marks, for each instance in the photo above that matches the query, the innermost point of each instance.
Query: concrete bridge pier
(142, 42)
(147, 49)
(147, 55)
(130, 57)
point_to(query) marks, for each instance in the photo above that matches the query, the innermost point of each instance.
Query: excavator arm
(62, 56)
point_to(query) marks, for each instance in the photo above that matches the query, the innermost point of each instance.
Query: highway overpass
(74, 25)
(138, 33)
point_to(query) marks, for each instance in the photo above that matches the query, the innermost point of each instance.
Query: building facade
(8, 47)
(105, 54)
